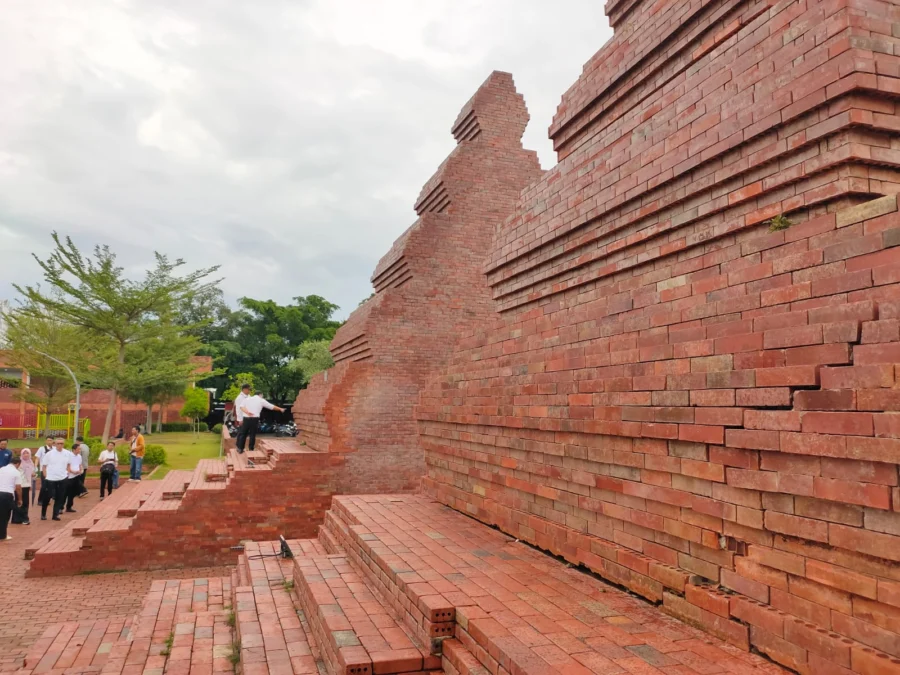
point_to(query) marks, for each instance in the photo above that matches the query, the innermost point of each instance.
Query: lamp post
(77, 388)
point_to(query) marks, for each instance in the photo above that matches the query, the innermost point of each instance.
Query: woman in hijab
(26, 474)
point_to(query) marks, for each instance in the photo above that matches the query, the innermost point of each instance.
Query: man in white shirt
(76, 471)
(85, 451)
(56, 466)
(239, 401)
(251, 408)
(47, 447)
(10, 495)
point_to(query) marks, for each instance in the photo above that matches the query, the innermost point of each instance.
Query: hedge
(183, 426)
(153, 454)
(217, 429)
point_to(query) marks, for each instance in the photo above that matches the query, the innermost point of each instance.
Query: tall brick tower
(690, 383)
(429, 289)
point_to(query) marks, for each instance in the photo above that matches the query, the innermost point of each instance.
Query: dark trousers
(20, 513)
(106, 483)
(81, 489)
(73, 489)
(248, 428)
(7, 504)
(55, 490)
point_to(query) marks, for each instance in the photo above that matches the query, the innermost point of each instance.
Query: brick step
(180, 622)
(168, 495)
(82, 645)
(513, 605)
(425, 613)
(357, 634)
(197, 519)
(53, 555)
(272, 633)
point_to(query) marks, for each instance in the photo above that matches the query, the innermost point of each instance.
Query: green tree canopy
(196, 405)
(263, 338)
(312, 357)
(28, 333)
(234, 388)
(94, 294)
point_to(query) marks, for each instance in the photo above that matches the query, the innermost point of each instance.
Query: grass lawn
(183, 449)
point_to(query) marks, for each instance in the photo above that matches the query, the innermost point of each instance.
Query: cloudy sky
(283, 139)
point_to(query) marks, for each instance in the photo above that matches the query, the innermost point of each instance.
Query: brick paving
(32, 605)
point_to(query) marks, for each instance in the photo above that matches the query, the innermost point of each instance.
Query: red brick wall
(670, 394)
(429, 289)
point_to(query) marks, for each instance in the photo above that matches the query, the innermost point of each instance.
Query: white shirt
(57, 462)
(76, 463)
(238, 402)
(107, 456)
(43, 450)
(9, 478)
(254, 405)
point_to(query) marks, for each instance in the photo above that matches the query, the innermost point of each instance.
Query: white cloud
(285, 139)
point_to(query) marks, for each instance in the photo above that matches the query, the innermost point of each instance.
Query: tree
(29, 331)
(312, 357)
(196, 405)
(234, 388)
(262, 338)
(158, 371)
(93, 294)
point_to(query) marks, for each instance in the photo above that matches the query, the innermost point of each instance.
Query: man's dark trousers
(7, 504)
(55, 490)
(248, 427)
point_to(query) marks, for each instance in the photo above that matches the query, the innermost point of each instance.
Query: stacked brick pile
(429, 289)
(690, 386)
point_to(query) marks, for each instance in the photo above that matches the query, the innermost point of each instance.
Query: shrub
(217, 429)
(183, 426)
(154, 454)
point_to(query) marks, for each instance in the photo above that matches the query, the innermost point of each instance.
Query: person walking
(56, 466)
(108, 460)
(137, 453)
(251, 409)
(10, 496)
(26, 476)
(85, 450)
(76, 472)
(5, 453)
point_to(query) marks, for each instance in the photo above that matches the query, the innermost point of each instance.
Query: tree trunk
(110, 413)
(149, 418)
(114, 397)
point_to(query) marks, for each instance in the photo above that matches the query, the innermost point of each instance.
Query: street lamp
(77, 387)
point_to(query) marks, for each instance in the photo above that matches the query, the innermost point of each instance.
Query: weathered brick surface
(673, 395)
(195, 519)
(429, 289)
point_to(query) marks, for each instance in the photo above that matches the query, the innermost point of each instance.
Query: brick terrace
(31, 606)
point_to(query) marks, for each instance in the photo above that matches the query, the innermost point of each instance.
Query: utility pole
(77, 389)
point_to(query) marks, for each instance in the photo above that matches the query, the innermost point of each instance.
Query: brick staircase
(183, 627)
(402, 584)
(195, 518)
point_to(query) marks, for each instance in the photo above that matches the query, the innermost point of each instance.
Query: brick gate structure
(690, 384)
(671, 360)
(429, 288)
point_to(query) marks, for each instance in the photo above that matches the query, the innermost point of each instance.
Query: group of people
(247, 409)
(62, 475)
